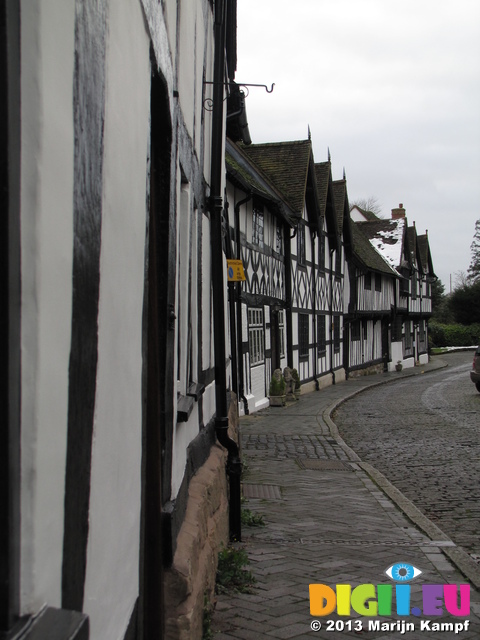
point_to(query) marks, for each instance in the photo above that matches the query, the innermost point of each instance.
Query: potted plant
(277, 389)
(296, 384)
(399, 365)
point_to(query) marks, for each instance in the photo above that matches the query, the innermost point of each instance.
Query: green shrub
(250, 519)
(436, 333)
(207, 632)
(231, 575)
(453, 335)
(277, 385)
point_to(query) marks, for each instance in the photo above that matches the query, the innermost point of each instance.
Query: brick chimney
(398, 213)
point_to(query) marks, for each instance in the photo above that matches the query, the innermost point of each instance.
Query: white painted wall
(186, 61)
(111, 586)
(47, 59)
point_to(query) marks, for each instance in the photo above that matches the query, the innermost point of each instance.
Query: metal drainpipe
(288, 294)
(234, 465)
(314, 299)
(231, 308)
(241, 384)
(331, 319)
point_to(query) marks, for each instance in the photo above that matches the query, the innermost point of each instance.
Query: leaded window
(321, 251)
(338, 261)
(257, 229)
(303, 335)
(368, 281)
(336, 333)
(356, 330)
(279, 237)
(408, 336)
(302, 260)
(414, 286)
(256, 336)
(421, 330)
(321, 335)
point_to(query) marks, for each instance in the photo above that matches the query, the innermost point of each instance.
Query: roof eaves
(254, 179)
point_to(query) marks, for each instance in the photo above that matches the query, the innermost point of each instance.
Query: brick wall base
(368, 371)
(191, 578)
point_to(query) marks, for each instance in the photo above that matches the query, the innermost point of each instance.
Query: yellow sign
(235, 271)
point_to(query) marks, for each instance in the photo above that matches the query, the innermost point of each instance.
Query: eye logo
(402, 572)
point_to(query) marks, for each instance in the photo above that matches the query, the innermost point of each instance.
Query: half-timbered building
(420, 300)
(370, 304)
(398, 245)
(291, 168)
(259, 225)
(329, 278)
(113, 401)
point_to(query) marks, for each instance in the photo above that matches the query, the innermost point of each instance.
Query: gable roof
(287, 165)
(387, 237)
(326, 199)
(412, 244)
(368, 215)
(323, 174)
(425, 255)
(365, 252)
(341, 202)
(246, 175)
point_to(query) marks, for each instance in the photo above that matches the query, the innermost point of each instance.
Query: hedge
(453, 335)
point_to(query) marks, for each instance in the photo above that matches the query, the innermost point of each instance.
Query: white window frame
(256, 336)
(281, 329)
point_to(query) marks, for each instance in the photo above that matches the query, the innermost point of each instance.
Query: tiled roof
(387, 237)
(245, 177)
(425, 254)
(369, 215)
(286, 164)
(412, 243)
(340, 195)
(322, 173)
(243, 171)
(422, 243)
(366, 253)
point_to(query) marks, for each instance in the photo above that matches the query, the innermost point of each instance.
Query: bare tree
(474, 268)
(368, 204)
(461, 280)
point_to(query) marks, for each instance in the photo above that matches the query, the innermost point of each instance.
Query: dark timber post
(216, 211)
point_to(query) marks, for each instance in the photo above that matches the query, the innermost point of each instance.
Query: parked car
(475, 372)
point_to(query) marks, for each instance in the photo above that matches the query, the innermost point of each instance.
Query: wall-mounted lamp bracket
(208, 102)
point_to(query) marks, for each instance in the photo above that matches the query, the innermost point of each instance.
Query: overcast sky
(391, 88)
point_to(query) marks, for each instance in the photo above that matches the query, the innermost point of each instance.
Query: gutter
(234, 465)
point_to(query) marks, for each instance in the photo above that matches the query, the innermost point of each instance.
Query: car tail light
(474, 360)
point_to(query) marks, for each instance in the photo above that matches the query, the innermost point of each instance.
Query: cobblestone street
(331, 518)
(423, 434)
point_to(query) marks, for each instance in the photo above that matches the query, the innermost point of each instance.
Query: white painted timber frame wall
(111, 585)
(49, 37)
(47, 140)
